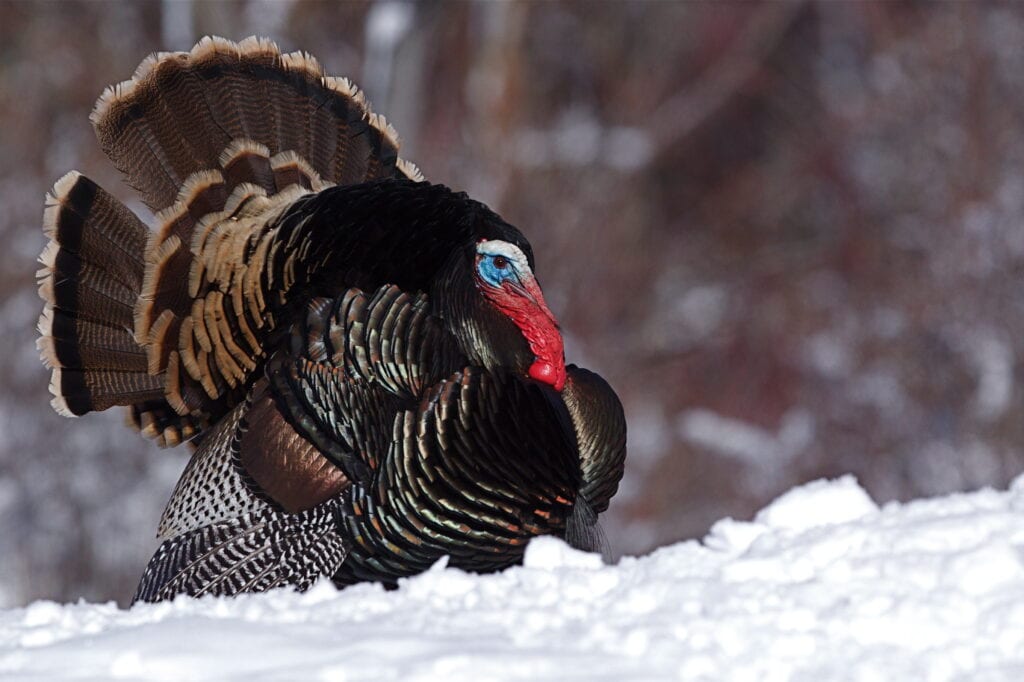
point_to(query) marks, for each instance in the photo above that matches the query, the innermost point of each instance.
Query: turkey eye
(500, 262)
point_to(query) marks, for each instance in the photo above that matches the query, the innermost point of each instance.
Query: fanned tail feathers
(218, 141)
(91, 274)
(180, 110)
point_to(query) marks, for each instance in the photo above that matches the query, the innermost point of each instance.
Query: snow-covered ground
(822, 585)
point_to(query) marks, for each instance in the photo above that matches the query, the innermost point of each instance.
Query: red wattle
(546, 373)
(539, 327)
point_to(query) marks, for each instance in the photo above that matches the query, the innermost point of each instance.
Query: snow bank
(822, 585)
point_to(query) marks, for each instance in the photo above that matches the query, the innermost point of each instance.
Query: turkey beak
(530, 290)
(516, 287)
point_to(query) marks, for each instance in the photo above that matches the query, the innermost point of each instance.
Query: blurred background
(789, 235)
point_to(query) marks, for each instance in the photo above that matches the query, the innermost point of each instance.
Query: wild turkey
(364, 361)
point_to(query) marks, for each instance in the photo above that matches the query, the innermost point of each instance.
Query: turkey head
(499, 315)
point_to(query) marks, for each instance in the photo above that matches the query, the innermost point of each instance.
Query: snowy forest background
(789, 235)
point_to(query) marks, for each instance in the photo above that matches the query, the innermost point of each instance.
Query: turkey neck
(486, 336)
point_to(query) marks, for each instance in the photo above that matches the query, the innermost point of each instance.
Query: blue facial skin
(494, 275)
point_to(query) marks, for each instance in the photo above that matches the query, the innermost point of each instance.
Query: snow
(823, 584)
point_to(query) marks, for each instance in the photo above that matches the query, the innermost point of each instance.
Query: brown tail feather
(92, 272)
(181, 110)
